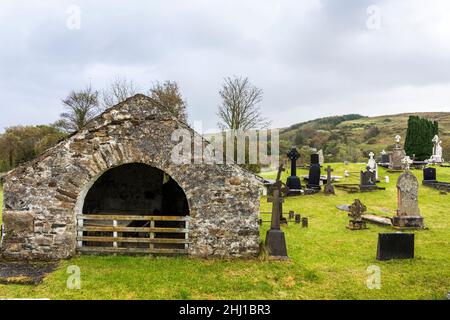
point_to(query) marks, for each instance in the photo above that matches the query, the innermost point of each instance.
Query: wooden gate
(132, 234)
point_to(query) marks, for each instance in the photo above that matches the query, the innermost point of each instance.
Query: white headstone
(397, 139)
(346, 173)
(372, 164)
(407, 162)
(437, 151)
(387, 179)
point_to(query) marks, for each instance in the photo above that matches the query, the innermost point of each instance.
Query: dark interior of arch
(136, 189)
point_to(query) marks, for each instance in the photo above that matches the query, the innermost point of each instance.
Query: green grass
(327, 260)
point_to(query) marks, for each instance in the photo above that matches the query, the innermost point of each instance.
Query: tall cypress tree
(419, 137)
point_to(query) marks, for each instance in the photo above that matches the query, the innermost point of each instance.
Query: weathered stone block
(18, 222)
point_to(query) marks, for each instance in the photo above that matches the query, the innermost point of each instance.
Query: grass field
(327, 260)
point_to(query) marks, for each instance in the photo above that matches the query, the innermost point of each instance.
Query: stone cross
(329, 171)
(281, 190)
(397, 139)
(329, 188)
(357, 209)
(436, 139)
(293, 155)
(383, 152)
(276, 204)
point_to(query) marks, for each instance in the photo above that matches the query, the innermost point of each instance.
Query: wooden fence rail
(86, 223)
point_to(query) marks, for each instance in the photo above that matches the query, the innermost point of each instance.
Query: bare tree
(239, 110)
(168, 94)
(82, 106)
(119, 90)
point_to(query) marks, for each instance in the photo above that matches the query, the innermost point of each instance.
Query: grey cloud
(312, 58)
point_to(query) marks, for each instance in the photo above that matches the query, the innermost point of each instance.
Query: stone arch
(43, 197)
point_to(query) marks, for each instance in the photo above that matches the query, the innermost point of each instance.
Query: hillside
(352, 137)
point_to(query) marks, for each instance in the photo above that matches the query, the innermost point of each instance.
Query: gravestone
(395, 246)
(387, 179)
(314, 173)
(304, 222)
(408, 212)
(384, 158)
(293, 182)
(398, 154)
(429, 175)
(275, 240)
(321, 157)
(368, 180)
(437, 151)
(298, 218)
(278, 185)
(357, 210)
(372, 165)
(291, 215)
(329, 188)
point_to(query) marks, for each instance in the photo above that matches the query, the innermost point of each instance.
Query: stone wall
(43, 197)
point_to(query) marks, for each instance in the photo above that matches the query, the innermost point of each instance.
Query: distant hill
(352, 137)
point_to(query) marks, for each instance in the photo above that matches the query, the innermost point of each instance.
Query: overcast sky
(312, 58)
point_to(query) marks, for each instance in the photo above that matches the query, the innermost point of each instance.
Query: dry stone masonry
(43, 197)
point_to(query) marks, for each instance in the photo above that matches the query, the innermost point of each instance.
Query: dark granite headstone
(275, 240)
(429, 175)
(395, 246)
(368, 180)
(291, 215)
(304, 222)
(298, 218)
(293, 182)
(385, 158)
(314, 173)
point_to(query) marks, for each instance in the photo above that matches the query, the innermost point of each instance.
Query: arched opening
(134, 208)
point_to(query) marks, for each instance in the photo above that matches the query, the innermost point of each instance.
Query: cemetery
(210, 232)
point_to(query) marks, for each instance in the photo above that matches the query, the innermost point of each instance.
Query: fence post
(80, 232)
(115, 233)
(186, 235)
(152, 234)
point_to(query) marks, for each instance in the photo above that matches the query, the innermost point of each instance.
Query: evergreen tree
(419, 137)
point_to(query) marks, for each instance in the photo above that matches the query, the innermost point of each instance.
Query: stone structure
(437, 151)
(408, 213)
(293, 182)
(329, 188)
(429, 175)
(356, 210)
(275, 239)
(368, 180)
(372, 165)
(314, 173)
(395, 246)
(42, 198)
(398, 154)
(384, 162)
(321, 157)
